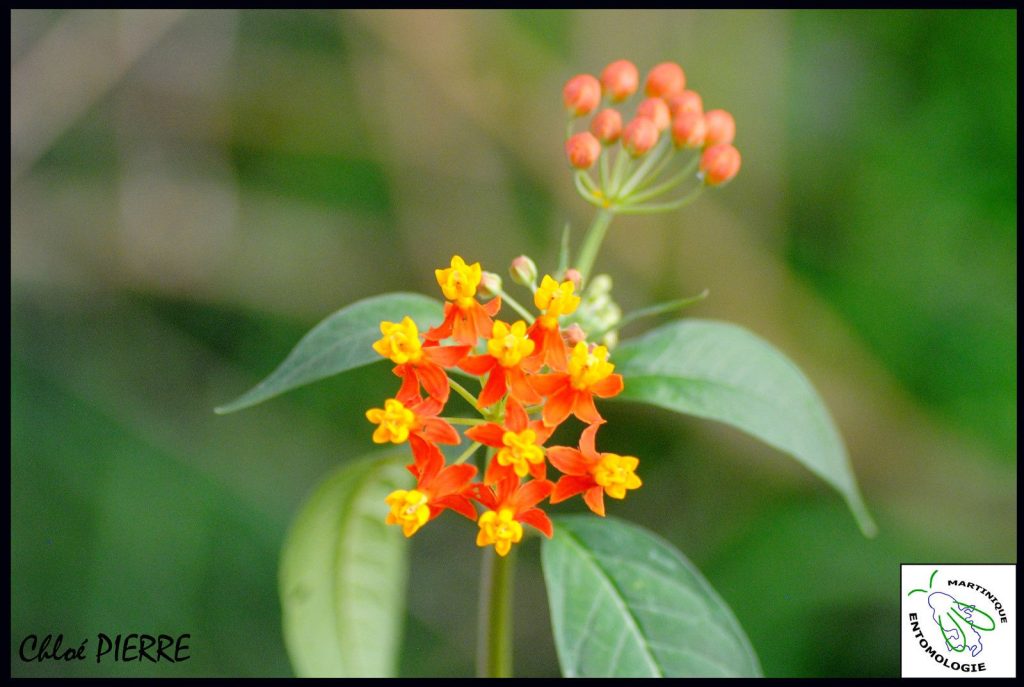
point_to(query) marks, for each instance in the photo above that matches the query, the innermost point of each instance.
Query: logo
(957, 620)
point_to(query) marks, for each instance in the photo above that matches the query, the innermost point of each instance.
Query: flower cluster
(533, 375)
(667, 124)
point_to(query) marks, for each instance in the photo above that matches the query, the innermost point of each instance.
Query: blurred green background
(192, 191)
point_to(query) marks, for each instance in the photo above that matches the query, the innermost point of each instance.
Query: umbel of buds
(665, 144)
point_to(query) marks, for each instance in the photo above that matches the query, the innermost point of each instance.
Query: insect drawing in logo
(961, 624)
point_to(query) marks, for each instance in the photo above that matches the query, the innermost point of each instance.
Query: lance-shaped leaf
(343, 575)
(723, 372)
(626, 603)
(342, 341)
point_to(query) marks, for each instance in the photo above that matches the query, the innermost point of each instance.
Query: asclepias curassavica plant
(623, 601)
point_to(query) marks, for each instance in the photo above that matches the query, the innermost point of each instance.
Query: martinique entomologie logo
(957, 620)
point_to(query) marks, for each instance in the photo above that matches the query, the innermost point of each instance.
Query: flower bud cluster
(667, 122)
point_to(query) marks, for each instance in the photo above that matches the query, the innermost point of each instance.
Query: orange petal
(429, 460)
(439, 431)
(554, 350)
(458, 503)
(520, 388)
(583, 408)
(492, 307)
(609, 386)
(532, 493)
(488, 433)
(434, 380)
(516, 418)
(547, 385)
(477, 364)
(542, 431)
(445, 356)
(494, 389)
(594, 498)
(535, 517)
(483, 494)
(409, 394)
(570, 485)
(443, 330)
(452, 480)
(587, 442)
(569, 460)
(559, 406)
(497, 472)
(539, 470)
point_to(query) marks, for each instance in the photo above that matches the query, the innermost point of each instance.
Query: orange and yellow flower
(438, 487)
(509, 506)
(553, 299)
(416, 423)
(417, 364)
(506, 350)
(465, 319)
(592, 473)
(519, 442)
(588, 374)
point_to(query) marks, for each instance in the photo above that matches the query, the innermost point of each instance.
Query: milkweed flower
(415, 363)
(465, 319)
(592, 473)
(397, 422)
(588, 374)
(438, 487)
(553, 299)
(507, 348)
(519, 442)
(509, 506)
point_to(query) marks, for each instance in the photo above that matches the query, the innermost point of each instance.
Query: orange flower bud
(665, 80)
(573, 334)
(687, 101)
(490, 284)
(639, 136)
(606, 125)
(523, 271)
(656, 110)
(582, 149)
(572, 274)
(581, 94)
(620, 80)
(719, 164)
(721, 127)
(688, 130)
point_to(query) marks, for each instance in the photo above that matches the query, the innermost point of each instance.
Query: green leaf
(341, 342)
(343, 575)
(626, 603)
(723, 372)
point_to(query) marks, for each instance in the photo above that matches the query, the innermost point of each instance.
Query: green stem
(515, 305)
(494, 652)
(622, 160)
(653, 158)
(462, 420)
(685, 173)
(467, 453)
(592, 242)
(461, 391)
(653, 208)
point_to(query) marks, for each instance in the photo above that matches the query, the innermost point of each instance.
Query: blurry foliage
(134, 509)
